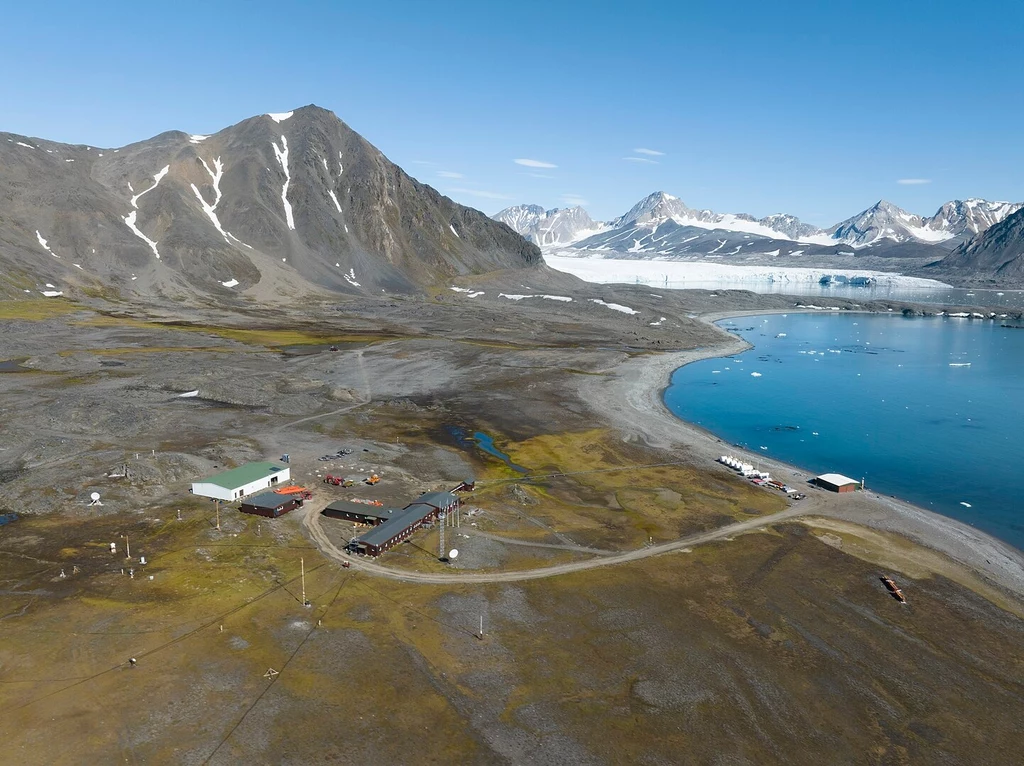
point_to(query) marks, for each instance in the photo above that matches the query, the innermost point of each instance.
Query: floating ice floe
(965, 505)
(614, 306)
(755, 375)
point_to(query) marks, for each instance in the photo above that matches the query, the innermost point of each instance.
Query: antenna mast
(442, 517)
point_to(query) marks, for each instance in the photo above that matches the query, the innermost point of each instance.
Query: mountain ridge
(882, 224)
(292, 202)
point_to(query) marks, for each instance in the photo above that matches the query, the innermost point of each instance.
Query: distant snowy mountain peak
(520, 218)
(970, 216)
(886, 221)
(559, 226)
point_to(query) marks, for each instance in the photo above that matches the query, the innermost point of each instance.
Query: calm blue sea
(877, 397)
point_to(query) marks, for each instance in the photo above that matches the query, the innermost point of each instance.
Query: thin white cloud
(479, 193)
(537, 175)
(534, 163)
(574, 199)
(449, 174)
(640, 159)
(914, 181)
(652, 152)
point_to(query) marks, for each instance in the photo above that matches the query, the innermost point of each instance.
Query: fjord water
(877, 397)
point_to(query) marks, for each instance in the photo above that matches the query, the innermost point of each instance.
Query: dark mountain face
(281, 204)
(997, 253)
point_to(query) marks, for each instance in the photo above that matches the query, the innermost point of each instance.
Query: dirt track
(311, 522)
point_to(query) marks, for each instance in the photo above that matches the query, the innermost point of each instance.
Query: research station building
(270, 504)
(242, 481)
(836, 482)
(400, 524)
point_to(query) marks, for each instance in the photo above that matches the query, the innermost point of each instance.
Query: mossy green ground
(735, 651)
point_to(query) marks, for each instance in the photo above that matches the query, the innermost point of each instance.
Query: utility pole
(127, 547)
(480, 635)
(217, 504)
(302, 563)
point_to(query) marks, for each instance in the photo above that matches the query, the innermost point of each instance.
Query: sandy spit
(629, 397)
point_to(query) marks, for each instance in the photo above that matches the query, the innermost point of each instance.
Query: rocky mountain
(278, 204)
(660, 207)
(661, 225)
(559, 226)
(996, 253)
(885, 221)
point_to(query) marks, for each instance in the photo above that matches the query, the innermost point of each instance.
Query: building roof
(438, 500)
(370, 511)
(837, 478)
(244, 474)
(398, 523)
(268, 500)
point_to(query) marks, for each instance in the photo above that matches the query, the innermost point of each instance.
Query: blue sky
(810, 108)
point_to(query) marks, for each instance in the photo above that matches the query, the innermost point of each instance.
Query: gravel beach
(630, 398)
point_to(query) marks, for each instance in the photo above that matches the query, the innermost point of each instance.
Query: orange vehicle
(372, 479)
(295, 489)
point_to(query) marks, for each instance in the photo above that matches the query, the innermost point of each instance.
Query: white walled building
(242, 481)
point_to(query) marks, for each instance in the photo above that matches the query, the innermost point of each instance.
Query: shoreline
(631, 399)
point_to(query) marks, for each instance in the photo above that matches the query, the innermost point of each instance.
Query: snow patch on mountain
(282, 157)
(209, 209)
(132, 217)
(279, 117)
(44, 245)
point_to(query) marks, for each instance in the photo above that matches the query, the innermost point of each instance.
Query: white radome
(453, 553)
(95, 496)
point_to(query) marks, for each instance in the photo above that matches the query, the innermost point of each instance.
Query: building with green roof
(242, 481)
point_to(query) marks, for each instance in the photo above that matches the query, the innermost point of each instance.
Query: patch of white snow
(282, 157)
(334, 199)
(230, 283)
(279, 116)
(614, 306)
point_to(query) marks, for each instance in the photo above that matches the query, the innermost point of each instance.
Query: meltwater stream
(930, 410)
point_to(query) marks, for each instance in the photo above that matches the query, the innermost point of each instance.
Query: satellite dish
(453, 553)
(95, 496)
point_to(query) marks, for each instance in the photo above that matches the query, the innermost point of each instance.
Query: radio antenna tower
(441, 518)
